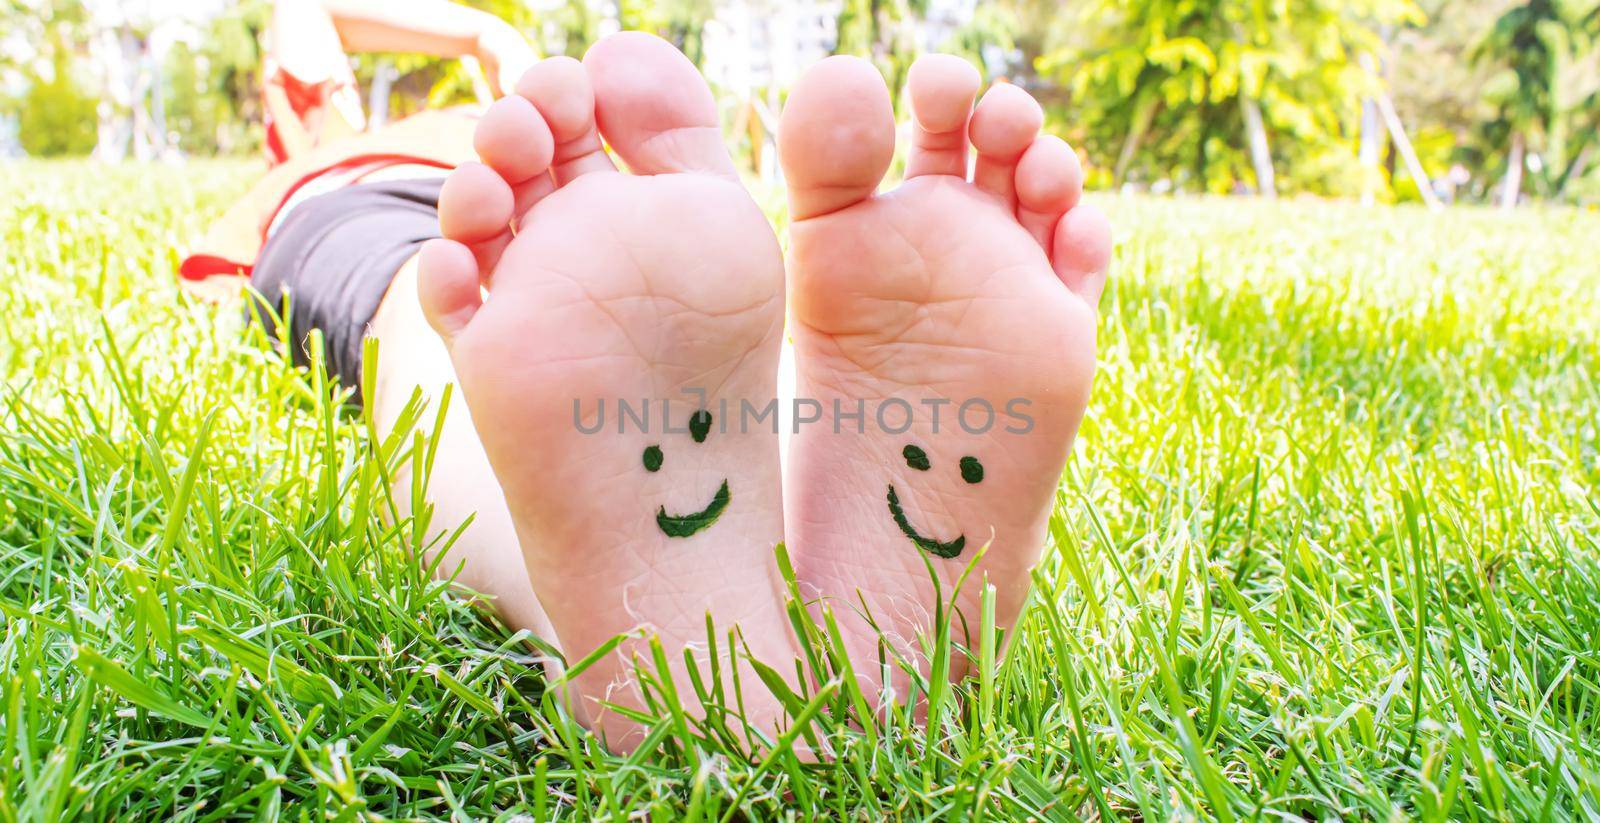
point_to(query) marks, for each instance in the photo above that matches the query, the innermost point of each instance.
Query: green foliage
(213, 91)
(1545, 86)
(55, 114)
(1161, 81)
(884, 32)
(573, 27)
(1529, 41)
(1327, 549)
(56, 117)
(1153, 91)
(48, 26)
(679, 22)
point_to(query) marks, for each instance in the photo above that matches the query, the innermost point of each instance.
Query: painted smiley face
(683, 525)
(916, 458)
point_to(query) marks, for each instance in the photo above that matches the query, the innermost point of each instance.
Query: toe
(476, 207)
(513, 139)
(1003, 126)
(835, 137)
(941, 87)
(447, 287)
(1049, 181)
(654, 107)
(475, 204)
(559, 88)
(1082, 251)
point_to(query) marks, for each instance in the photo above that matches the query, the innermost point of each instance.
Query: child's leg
(343, 264)
(462, 486)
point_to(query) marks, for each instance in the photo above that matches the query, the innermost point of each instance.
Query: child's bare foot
(635, 286)
(978, 292)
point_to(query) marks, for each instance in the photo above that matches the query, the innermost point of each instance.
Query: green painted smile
(687, 524)
(927, 544)
(916, 458)
(683, 525)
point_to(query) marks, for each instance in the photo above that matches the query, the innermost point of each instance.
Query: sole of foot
(946, 330)
(661, 287)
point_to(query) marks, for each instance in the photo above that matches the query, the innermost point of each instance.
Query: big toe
(654, 107)
(836, 136)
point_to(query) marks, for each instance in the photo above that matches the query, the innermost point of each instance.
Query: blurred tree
(57, 117)
(36, 29)
(1023, 30)
(213, 87)
(55, 113)
(1537, 91)
(1190, 91)
(1437, 87)
(1585, 146)
(680, 22)
(576, 24)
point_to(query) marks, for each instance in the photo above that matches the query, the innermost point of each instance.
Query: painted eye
(652, 458)
(915, 458)
(971, 470)
(700, 425)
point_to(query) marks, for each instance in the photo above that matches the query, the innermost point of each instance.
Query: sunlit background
(1382, 100)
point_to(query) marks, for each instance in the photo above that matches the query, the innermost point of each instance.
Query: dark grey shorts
(334, 256)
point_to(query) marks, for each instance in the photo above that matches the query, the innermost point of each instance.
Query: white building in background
(10, 144)
(13, 86)
(943, 20)
(754, 45)
(754, 48)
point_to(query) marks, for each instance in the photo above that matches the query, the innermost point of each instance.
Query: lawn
(1327, 548)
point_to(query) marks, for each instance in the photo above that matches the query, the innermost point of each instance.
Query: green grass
(1328, 548)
